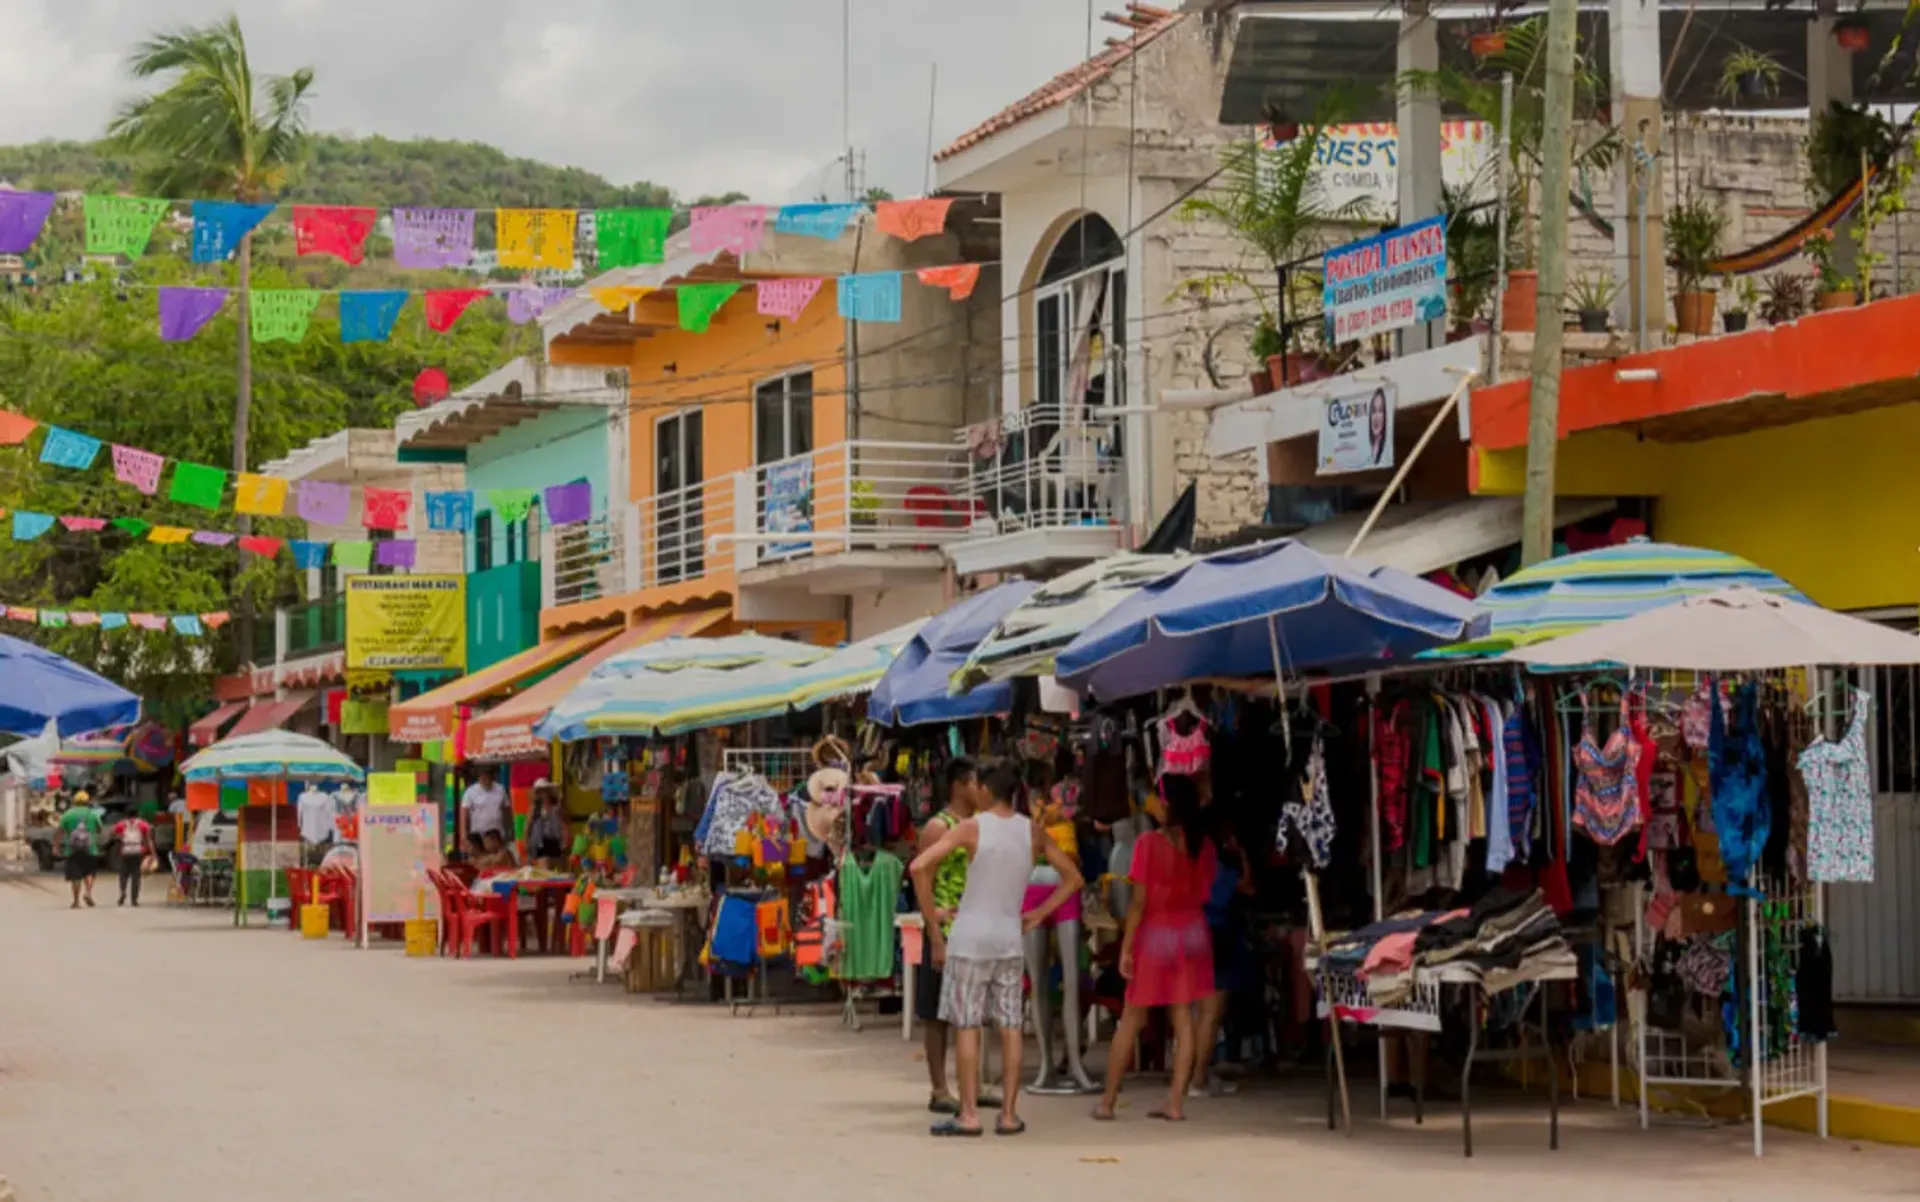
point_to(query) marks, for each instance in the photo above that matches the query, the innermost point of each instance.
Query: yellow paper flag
(532, 238)
(169, 534)
(390, 788)
(613, 300)
(255, 493)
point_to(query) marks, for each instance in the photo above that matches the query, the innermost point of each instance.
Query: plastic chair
(299, 893)
(444, 885)
(469, 919)
(506, 908)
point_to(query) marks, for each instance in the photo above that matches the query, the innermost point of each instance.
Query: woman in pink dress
(1167, 953)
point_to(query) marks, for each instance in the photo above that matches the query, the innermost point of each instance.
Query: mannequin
(1065, 927)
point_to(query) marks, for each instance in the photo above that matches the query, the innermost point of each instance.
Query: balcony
(1043, 485)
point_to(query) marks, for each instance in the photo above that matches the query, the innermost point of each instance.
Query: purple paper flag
(525, 304)
(22, 214)
(429, 238)
(324, 503)
(394, 553)
(183, 311)
(568, 503)
(212, 538)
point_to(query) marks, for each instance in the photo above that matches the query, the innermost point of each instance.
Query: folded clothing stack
(1505, 939)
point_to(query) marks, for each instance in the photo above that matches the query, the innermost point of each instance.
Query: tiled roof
(1147, 22)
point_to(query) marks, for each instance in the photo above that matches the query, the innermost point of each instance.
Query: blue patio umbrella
(1252, 610)
(916, 689)
(42, 687)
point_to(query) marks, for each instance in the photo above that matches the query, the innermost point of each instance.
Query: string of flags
(189, 625)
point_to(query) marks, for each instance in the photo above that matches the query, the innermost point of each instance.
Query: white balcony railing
(1045, 467)
(859, 495)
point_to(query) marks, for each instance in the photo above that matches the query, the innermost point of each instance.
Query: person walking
(1166, 954)
(80, 830)
(132, 836)
(949, 885)
(983, 958)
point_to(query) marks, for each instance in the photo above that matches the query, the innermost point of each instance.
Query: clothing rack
(1798, 1070)
(856, 993)
(783, 767)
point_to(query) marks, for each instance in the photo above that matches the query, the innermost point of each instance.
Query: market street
(160, 1055)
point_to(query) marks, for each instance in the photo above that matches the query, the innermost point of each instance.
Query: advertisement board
(1360, 165)
(417, 623)
(1387, 282)
(1356, 431)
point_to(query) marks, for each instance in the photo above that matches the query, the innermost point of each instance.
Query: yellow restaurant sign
(407, 622)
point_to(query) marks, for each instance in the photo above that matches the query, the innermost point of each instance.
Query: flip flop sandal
(951, 1129)
(949, 1106)
(1164, 1117)
(1019, 1128)
(1107, 1117)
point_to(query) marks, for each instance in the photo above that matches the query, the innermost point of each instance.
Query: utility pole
(1556, 178)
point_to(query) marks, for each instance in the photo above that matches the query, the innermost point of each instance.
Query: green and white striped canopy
(272, 753)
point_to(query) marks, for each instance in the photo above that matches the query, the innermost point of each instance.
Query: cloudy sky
(701, 95)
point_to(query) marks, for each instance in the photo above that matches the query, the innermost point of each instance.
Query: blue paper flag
(872, 296)
(29, 526)
(815, 221)
(186, 624)
(369, 316)
(218, 226)
(113, 621)
(307, 554)
(64, 448)
(450, 511)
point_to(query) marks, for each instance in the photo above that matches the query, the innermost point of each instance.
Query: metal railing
(1045, 467)
(863, 494)
(586, 560)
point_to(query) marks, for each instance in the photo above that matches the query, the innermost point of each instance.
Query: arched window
(1079, 317)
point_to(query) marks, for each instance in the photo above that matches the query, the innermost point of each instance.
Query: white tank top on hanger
(988, 924)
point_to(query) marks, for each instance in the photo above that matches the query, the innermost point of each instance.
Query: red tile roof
(1147, 22)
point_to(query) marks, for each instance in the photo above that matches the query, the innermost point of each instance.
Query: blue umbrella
(1252, 610)
(42, 687)
(916, 688)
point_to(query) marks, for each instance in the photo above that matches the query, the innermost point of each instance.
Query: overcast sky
(701, 95)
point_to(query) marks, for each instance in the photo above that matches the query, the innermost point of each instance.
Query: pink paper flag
(81, 617)
(786, 298)
(736, 229)
(212, 538)
(148, 621)
(78, 524)
(138, 468)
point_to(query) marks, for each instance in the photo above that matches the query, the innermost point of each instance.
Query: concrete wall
(876, 612)
(371, 462)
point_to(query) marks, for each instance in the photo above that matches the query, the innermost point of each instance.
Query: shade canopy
(918, 687)
(1025, 641)
(1573, 592)
(41, 687)
(1243, 612)
(1734, 630)
(271, 753)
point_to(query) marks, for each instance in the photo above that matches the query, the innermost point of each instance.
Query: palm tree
(216, 130)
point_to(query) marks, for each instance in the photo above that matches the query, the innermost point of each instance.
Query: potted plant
(1837, 142)
(1748, 75)
(1473, 254)
(1786, 297)
(1487, 42)
(1695, 227)
(1265, 344)
(1834, 288)
(1592, 294)
(1741, 296)
(1851, 35)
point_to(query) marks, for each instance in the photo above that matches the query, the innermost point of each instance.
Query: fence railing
(858, 495)
(1045, 467)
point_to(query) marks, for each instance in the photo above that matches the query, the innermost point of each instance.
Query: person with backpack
(133, 835)
(80, 829)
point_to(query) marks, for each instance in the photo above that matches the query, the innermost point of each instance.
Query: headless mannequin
(1067, 931)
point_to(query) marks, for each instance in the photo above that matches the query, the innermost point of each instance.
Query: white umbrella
(1734, 630)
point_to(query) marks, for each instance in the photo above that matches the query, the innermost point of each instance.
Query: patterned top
(950, 876)
(1840, 792)
(1606, 801)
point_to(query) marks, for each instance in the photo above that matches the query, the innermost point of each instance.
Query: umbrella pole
(1317, 936)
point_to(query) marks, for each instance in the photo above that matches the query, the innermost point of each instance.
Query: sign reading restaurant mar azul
(1387, 282)
(407, 622)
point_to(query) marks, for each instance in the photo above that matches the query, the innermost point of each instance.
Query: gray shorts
(981, 993)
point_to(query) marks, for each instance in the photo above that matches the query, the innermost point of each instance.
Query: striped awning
(506, 731)
(430, 716)
(270, 715)
(206, 731)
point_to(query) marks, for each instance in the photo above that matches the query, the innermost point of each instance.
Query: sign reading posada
(412, 622)
(1387, 282)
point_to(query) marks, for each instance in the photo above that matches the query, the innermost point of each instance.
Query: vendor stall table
(549, 896)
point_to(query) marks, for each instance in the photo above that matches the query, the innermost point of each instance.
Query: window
(679, 517)
(783, 418)
(483, 540)
(1080, 316)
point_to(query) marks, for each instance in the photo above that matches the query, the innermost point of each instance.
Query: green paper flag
(512, 504)
(53, 619)
(121, 225)
(631, 237)
(281, 314)
(133, 526)
(197, 484)
(699, 302)
(353, 554)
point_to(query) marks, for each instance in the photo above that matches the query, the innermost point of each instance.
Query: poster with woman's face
(1356, 431)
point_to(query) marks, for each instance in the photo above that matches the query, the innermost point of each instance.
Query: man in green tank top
(949, 883)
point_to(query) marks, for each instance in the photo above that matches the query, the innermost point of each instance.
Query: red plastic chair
(443, 885)
(469, 919)
(299, 893)
(506, 908)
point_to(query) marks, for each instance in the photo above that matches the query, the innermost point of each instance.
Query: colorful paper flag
(264, 495)
(337, 230)
(355, 555)
(324, 503)
(386, 508)
(16, 613)
(430, 385)
(308, 554)
(213, 538)
(121, 225)
(569, 503)
(261, 545)
(511, 504)
(217, 618)
(817, 220)
(631, 237)
(959, 280)
(148, 621)
(872, 296)
(368, 316)
(911, 220)
(14, 428)
(29, 526)
(621, 297)
(394, 552)
(53, 619)
(451, 511)
(82, 617)
(169, 535)
(137, 527)
(187, 624)
(534, 238)
(281, 314)
(22, 216)
(219, 225)
(184, 312)
(699, 302)
(736, 229)
(113, 621)
(786, 298)
(525, 304)
(197, 484)
(80, 525)
(426, 239)
(445, 305)
(64, 448)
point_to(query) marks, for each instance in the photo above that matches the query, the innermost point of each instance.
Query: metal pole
(1643, 161)
(1556, 170)
(1503, 164)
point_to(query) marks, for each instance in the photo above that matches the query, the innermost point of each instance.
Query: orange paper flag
(15, 428)
(958, 280)
(910, 220)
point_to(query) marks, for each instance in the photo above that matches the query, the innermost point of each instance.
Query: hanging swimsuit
(1606, 800)
(1184, 755)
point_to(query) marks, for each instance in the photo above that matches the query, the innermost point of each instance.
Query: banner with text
(1360, 164)
(1356, 431)
(1387, 282)
(410, 622)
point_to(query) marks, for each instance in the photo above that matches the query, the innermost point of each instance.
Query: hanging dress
(1738, 775)
(1606, 798)
(1840, 801)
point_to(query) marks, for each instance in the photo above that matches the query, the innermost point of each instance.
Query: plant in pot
(1695, 227)
(1473, 254)
(1748, 76)
(1833, 288)
(1592, 294)
(1741, 297)
(1786, 298)
(1265, 344)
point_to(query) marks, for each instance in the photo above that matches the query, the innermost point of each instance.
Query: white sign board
(1361, 163)
(1387, 282)
(1356, 431)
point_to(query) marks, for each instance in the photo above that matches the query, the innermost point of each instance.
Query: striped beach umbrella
(272, 753)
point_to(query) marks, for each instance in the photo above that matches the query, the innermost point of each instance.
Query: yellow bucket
(315, 922)
(423, 936)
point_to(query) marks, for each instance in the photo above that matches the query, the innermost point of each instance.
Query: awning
(206, 731)
(270, 715)
(1425, 536)
(429, 717)
(506, 731)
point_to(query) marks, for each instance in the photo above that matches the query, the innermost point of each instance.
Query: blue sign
(790, 504)
(1387, 282)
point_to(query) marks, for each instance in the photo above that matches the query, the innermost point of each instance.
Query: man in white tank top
(983, 957)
